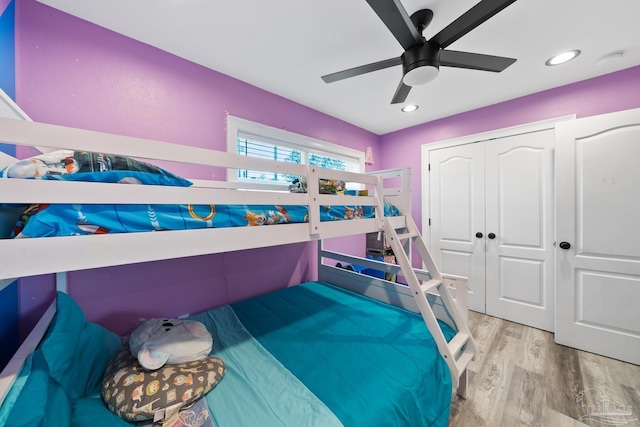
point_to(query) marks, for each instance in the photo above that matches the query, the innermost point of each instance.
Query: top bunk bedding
(46, 220)
(62, 205)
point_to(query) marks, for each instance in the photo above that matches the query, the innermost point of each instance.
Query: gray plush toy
(159, 341)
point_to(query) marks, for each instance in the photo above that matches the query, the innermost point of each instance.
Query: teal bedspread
(308, 356)
(370, 363)
(257, 390)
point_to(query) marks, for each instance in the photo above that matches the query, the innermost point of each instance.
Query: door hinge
(429, 167)
(429, 222)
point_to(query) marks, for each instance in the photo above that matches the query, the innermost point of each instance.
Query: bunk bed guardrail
(97, 251)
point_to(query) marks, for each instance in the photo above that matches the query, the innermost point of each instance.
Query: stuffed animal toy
(159, 341)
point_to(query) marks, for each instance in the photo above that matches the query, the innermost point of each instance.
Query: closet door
(598, 233)
(456, 192)
(520, 270)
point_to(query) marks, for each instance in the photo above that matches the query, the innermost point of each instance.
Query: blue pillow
(68, 165)
(77, 352)
(67, 366)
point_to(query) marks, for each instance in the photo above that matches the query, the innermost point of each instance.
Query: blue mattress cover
(371, 364)
(77, 219)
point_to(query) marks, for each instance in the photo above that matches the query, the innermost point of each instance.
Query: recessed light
(563, 57)
(409, 108)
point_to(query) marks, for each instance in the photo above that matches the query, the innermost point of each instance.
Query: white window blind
(255, 140)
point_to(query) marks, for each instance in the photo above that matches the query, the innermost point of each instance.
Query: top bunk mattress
(64, 219)
(46, 220)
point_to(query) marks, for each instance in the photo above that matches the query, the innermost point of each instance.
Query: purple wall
(613, 92)
(3, 5)
(73, 73)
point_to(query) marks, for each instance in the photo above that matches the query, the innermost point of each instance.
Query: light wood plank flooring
(521, 377)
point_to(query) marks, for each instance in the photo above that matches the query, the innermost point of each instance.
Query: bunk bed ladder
(461, 349)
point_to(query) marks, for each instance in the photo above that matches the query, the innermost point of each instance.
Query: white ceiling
(284, 46)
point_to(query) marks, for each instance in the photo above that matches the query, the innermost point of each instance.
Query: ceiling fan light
(420, 64)
(420, 75)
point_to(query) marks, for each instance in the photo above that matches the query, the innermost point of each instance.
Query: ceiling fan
(422, 58)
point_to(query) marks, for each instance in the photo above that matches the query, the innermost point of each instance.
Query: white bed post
(313, 191)
(61, 282)
(379, 194)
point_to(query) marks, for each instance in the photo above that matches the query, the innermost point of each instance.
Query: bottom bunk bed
(310, 355)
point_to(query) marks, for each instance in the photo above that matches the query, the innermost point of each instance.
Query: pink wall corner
(612, 92)
(73, 73)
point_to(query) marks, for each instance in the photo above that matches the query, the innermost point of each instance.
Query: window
(255, 140)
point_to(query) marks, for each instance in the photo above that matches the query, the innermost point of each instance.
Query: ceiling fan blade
(397, 20)
(469, 20)
(362, 69)
(474, 61)
(401, 93)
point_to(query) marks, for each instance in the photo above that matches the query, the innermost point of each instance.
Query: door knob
(491, 235)
(479, 235)
(565, 245)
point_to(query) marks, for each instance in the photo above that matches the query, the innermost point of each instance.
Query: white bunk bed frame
(429, 292)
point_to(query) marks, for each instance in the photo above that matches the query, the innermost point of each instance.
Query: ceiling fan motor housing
(420, 55)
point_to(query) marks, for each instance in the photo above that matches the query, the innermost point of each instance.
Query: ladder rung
(463, 361)
(405, 236)
(457, 342)
(422, 274)
(431, 284)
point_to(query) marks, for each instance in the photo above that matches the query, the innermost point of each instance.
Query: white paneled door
(598, 233)
(491, 208)
(456, 193)
(520, 228)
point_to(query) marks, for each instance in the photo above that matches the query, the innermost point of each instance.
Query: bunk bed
(346, 327)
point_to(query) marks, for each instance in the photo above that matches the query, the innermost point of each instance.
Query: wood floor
(521, 377)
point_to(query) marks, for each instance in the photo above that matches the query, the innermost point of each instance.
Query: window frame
(243, 128)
